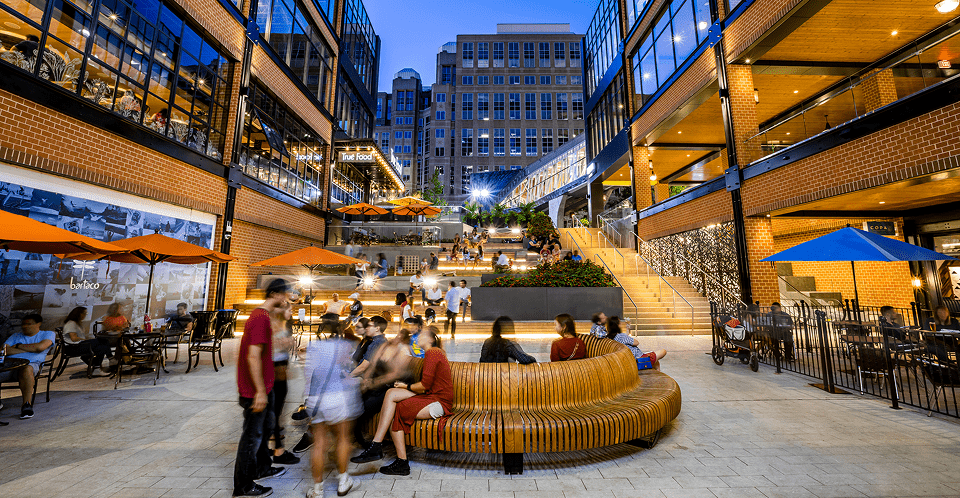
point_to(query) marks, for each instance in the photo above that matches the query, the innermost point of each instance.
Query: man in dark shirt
(181, 321)
(255, 383)
(434, 262)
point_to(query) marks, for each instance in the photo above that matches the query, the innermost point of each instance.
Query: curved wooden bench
(513, 409)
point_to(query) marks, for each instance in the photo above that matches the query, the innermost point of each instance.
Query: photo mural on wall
(42, 283)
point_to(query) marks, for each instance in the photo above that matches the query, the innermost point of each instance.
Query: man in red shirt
(255, 383)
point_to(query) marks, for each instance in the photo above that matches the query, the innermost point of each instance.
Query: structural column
(764, 281)
(641, 177)
(879, 89)
(595, 201)
(743, 106)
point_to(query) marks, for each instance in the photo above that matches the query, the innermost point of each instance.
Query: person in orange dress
(431, 398)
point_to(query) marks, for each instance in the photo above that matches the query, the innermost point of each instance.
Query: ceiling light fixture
(883, 202)
(894, 33)
(748, 61)
(947, 6)
(796, 91)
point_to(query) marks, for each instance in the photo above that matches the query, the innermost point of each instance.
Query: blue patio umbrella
(851, 244)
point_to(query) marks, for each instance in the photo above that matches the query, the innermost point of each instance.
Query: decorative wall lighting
(947, 6)
(756, 96)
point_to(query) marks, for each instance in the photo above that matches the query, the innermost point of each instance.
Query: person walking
(255, 384)
(282, 344)
(332, 402)
(361, 270)
(464, 299)
(453, 309)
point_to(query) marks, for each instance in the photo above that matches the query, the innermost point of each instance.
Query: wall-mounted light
(756, 96)
(917, 283)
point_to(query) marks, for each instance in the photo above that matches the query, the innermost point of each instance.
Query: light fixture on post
(947, 6)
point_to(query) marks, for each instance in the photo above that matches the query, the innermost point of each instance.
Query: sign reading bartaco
(356, 157)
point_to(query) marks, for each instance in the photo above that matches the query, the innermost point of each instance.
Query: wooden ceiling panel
(702, 126)
(859, 31)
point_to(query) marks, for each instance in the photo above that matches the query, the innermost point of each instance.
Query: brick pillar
(230, 111)
(641, 177)
(744, 105)
(763, 275)
(662, 190)
(878, 90)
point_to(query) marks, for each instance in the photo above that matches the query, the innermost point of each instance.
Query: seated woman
(496, 349)
(615, 333)
(113, 321)
(75, 334)
(568, 346)
(406, 308)
(430, 398)
(941, 320)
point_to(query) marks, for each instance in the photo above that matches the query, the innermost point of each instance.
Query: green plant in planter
(540, 226)
(497, 212)
(473, 210)
(561, 274)
(511, 218)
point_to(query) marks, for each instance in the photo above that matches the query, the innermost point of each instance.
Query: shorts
(333, 407)
(13, 375)
(436, 409)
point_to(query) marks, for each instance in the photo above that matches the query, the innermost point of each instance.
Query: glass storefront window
(134, 59)
(280, 150)
(680, 29)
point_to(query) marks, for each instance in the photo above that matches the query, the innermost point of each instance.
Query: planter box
(544, 303)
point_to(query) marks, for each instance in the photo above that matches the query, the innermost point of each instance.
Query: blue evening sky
(411, 31)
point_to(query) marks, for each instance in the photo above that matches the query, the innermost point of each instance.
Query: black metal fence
(883, 352)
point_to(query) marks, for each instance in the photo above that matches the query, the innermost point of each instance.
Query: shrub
(540, 226)
(560, 274)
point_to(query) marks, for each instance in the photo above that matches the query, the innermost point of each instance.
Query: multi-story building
(400, 123)
(213, 122)
(749, 126)
(502, 101)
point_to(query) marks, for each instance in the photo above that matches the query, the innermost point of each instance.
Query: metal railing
(850, 347)
(673, 291)
(727, 296)
(622, 288)
(385, 233)
(786, 301)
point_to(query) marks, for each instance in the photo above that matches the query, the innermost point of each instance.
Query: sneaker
(397, 468)
(316, 491)
(254, 491)
(300, 414)
(272, 472)
(304, 444)
(286, 458)
(373, 453)
(346, 485)
(26, 411)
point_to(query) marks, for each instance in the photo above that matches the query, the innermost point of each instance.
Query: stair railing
(644, 246)
(622, 288)
(673, 291)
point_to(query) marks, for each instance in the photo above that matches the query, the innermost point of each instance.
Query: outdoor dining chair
(938, 362)
(140, 350)
(206, 338)
(46, 369)
(68, 352)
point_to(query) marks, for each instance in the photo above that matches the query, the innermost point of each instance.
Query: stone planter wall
(544, 303)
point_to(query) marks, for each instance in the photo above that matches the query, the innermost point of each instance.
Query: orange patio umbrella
(362, 208)
(311, 258)
(416, 210)
(20, 233)
(403, 201)
(156, 248)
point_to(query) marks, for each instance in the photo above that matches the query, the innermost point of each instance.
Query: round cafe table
(12, 364)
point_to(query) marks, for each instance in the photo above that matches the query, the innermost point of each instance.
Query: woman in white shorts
(333, 402)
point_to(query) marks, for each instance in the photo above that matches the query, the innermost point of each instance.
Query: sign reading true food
(356, 157)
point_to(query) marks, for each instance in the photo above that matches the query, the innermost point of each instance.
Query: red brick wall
(916, 147)
(708, 210)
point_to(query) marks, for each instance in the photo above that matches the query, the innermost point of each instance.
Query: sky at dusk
(412, 31)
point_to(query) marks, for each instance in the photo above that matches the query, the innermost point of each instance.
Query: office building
(400, 123)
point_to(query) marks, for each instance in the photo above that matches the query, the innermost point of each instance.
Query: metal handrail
(660, 282)
(623, 264)
(642, 245)
(622, 288)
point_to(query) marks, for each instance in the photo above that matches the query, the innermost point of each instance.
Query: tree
(541, 226)
(433, 190)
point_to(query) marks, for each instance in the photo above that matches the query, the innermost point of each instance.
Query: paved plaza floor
(740, 434)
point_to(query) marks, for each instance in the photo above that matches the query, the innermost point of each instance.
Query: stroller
(731, 338)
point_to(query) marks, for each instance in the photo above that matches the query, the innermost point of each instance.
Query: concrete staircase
(656, 308)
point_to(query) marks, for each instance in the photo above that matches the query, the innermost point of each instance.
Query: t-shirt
(453, 300)
(406, 311)
(356, 308)
(464, 293)
(627, 341)
(415, 349)
(577, 257)
(598, 330)
(327, 369)
(568, 348)
(177, 322)
(335, 307)
(503, 260)
(74, 327)
(374, 346)
(20, 338)
(434, 294)
(257, 330)
(416, 281)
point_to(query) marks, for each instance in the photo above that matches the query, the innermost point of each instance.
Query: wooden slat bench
(514, 409)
